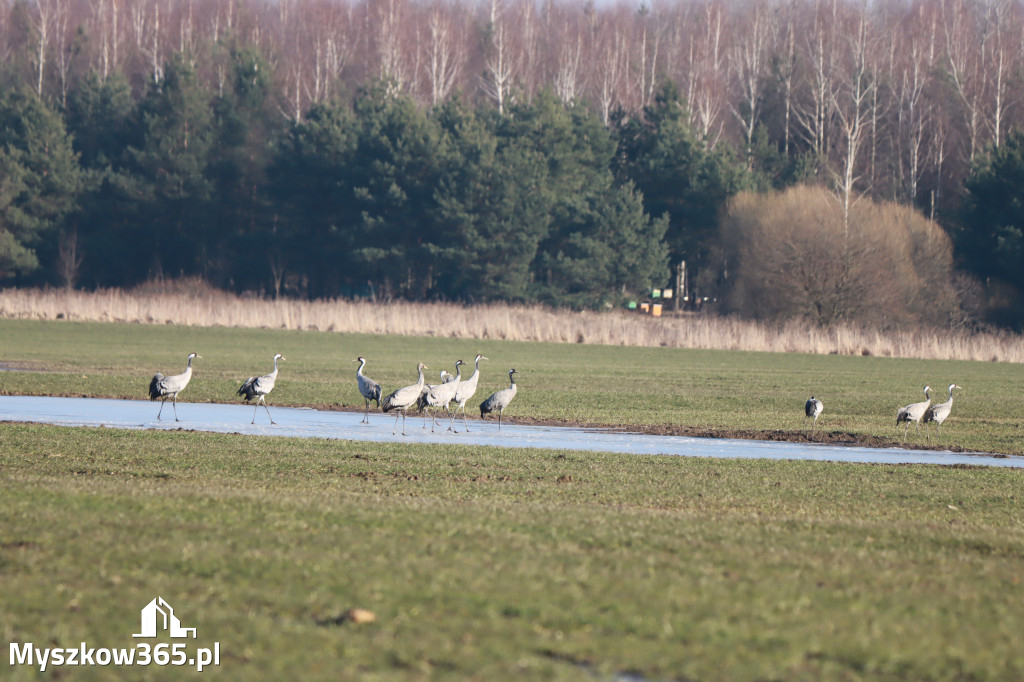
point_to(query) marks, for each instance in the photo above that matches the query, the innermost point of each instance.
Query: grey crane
(404, 398)
(369, 389)
(500, 400)
(169, 387)
(421, 401)
(938, 413)
(813, 408)
(442, 395)
(466, 390)
(913, 413)
(259, 387)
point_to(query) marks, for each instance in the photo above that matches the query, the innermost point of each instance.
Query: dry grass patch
(195, 304)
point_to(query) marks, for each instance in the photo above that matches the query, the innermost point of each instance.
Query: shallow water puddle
(309, 423)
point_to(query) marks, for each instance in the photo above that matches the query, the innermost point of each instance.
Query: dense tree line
(376, 196)
(560, 152)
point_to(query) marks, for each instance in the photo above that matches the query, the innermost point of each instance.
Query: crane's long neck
(188, 366)
(419, 382)
(359, 370)
(512, 378)
(275, 367)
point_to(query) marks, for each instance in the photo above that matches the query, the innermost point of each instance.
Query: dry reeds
(199, 305)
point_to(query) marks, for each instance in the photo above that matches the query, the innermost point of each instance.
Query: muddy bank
(776, 435)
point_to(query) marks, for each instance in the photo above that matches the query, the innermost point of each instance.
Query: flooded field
(309, 423)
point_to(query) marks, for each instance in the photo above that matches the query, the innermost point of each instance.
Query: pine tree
(40, 181)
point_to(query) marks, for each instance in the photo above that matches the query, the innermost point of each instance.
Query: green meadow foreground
(489, 563)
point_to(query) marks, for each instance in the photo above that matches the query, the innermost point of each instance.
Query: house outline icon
(150, 620)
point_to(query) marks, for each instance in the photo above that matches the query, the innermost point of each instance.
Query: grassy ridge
(487, 563)
(612, 385)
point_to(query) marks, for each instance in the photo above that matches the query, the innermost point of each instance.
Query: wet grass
(489, 563)
(721, 391)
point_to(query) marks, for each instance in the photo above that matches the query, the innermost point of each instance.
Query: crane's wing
(154, 386)
(402, 398)
(248, 389)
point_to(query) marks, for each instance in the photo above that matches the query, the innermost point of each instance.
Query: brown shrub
(792, 256)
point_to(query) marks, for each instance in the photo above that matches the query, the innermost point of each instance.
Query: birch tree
(446, 53)
(852, 106)
(748, 57)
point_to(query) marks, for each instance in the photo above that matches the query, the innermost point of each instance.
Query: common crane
(169, 387)
(813, 408)
(441, 395)
(259, 387)
(404, 398)
(938, 413)
(466, 390)
(368, 388)
(500, 400)
(913, 413)
(421, 401)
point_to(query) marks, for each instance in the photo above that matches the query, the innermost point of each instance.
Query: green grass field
(488, 563)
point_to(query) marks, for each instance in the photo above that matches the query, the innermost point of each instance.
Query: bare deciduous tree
(748, 56)
(42, 22)
(813, 112)
(852, 101)
(445, 53)
(500, 64)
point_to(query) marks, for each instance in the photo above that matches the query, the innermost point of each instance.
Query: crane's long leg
(451, 419)
(366, 414)
(396, 426)
(499, 419)
(268, 412)
(162, 403)
(403, 422)
(174, 404)
(254, 408)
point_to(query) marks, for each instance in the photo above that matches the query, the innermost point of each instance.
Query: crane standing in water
(466, 390)
(368, 388)
(404, 398)
(259, 387)
(500, 400)
(169, 387)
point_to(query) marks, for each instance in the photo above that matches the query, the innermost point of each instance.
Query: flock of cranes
(430, 398)
(923, 411)
(451, 389)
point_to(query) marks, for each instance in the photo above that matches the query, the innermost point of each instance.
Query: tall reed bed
(204, 306)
